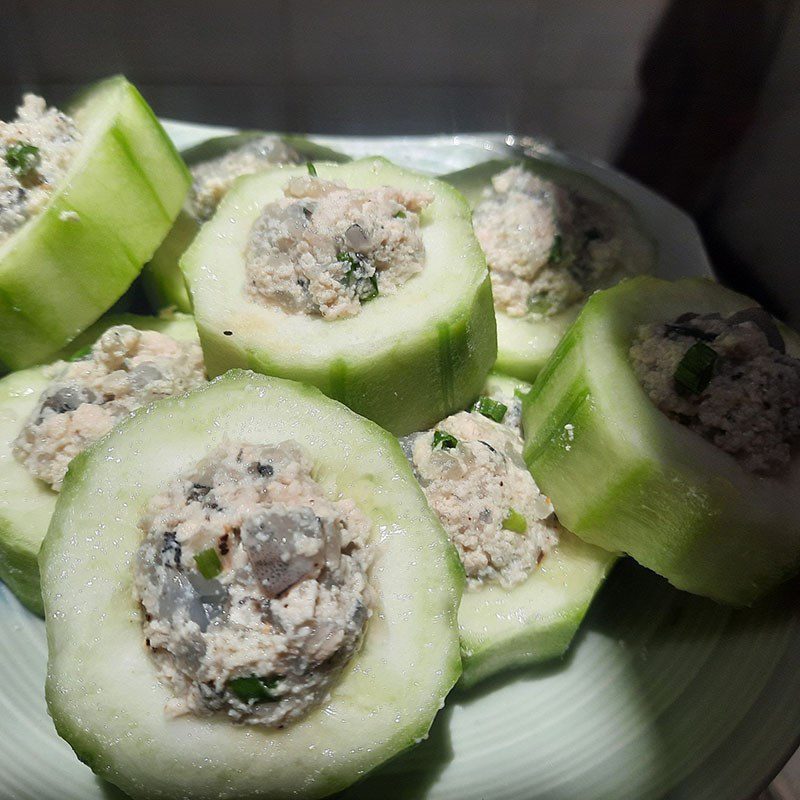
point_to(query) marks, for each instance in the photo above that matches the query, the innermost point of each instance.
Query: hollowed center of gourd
(727, 378)
(325, 249)
(211, 179)
(546, 247)
(124, 370)
(471, 469)
(253, 584)
(36, 150)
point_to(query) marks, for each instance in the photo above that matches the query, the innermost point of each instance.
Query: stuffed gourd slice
(27, 501)
(663, 427)
(529, 580)
(362, 279)
(105, 689)
(214, 165)
(95, 193)
(551, 237)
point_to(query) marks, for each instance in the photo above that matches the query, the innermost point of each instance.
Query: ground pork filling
(124, 370)
(253, 583)
(729, 379)
(471, 470)
(324, 249)
(36, 151)
(212, 179)
(547, 248)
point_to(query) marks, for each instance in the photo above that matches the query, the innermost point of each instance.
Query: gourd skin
(405, 361)
(536, 620)
(625, 477)
(68, 265)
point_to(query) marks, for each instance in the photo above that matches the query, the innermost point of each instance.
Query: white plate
(663, 695)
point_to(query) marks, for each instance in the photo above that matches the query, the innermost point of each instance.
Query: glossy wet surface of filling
(546, 247)
(471, 470)
(124, 370)
(727, 378)
(253, 585)
(324, 249)
(212, 179)
(36, 150)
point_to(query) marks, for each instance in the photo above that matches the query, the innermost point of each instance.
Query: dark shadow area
(712, 679)
(703, 77)
(111, 792)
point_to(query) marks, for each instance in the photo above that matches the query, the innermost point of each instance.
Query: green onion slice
(253, 689)
(557, 250)
(696, 368)
(312, 170)
(514, 521)
(366, 286)
(443, 440)
(208, 563)
(22, 158)
(493, 409)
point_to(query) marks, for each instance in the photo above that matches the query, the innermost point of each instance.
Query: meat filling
(253, 584)
(212, 179)
(546, 247)
(124, 370)
(324, 249)
(729, 379)
(36, 150)
(471, 470)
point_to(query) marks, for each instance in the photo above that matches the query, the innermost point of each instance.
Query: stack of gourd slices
(331, 536)
(345, 707)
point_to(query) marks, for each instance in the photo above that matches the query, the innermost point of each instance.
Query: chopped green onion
(696, 368)
(443, 440)
(253, 690)
(366, 286)
(82, 353)
(557, 250)
(493, 409)
(520, 393)
(514, 521)
(312, 170)
(399, 215)
(22, 158)
(348, 258)
(208, 563)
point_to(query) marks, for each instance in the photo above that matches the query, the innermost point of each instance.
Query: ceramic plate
(663, 695)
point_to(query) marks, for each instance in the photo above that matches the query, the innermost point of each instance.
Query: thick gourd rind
(405, 360)
(162, 279)
(627, 478)
(536, 620)
(525, 343)
(102, 689)
(59, 273)
(27, 504)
